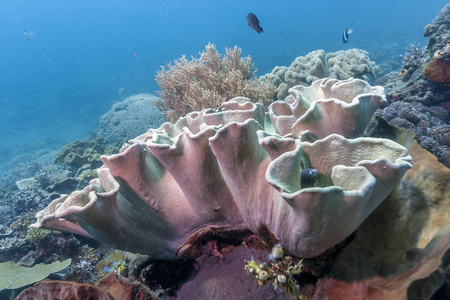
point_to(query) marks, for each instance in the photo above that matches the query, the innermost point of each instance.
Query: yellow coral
(36, 235)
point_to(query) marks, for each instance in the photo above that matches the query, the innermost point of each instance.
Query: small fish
(308, 178)
(122, 91)
(107, 269)
(346, 34)
(253, 22)
(443, 54)
(135, 54)
(404, 73)
(28, 34)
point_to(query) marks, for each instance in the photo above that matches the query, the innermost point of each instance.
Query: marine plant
(208, 81)
(280, 270)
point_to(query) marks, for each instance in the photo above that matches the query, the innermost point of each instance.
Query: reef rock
(129, 118)
(228, 170)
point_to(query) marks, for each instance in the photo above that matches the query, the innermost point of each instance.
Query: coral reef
(79, 153)
(129, 118)
(185, 159)
(327, 106)
(316, 65)
(438, 32)
(419, 98)
(369, 267)
(207, 82)
(37, 235)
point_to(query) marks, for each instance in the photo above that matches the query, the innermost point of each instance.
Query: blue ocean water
(55, 85)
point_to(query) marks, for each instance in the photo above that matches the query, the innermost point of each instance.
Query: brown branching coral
(208, 82)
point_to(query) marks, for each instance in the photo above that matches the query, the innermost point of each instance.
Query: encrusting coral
(207, 82)
(227, 170)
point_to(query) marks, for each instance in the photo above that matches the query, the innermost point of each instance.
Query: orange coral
(437, 70)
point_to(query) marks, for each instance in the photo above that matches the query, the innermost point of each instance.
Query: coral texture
(428, 122)
(437, 70)
(327, 106)
(207, 82)
(316, 65)
(129, 118)
(407, 262)
(79, 153)
(214, 170)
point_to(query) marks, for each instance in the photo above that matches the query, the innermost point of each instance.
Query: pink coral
(221, 171)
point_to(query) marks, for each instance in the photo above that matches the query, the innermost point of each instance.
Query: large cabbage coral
(209, 81)
(227, 170)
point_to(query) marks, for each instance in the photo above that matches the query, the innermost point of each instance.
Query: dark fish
(308, 178)
(28, 34)
(346, 34)
(253, 22)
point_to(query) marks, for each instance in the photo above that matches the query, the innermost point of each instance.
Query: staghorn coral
(412, 60)
(195, 166)
(207, 82)
(316, 65)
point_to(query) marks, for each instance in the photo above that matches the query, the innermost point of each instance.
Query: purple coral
(430, 124)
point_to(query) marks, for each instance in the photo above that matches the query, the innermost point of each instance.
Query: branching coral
(207, 82)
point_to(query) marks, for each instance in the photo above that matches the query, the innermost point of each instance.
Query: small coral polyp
(229, 170)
